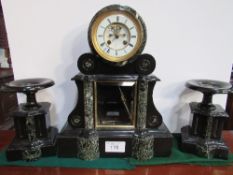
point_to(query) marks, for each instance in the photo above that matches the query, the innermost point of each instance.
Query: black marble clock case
(142, 64)
(84, 137)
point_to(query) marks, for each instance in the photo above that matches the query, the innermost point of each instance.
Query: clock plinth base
(44, 143)
(69, 138)
(212, 148)
(115, 116)
(18, 147)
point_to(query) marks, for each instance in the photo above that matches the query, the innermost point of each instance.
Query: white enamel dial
(117, 35)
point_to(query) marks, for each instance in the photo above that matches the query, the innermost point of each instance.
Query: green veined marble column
(143, 142)
(88, 143)
(142, 103)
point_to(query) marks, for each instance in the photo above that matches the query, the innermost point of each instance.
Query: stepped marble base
(20, 149)
(212, 148)
(115, 143)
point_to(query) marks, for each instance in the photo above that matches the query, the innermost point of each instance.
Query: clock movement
(115, 115)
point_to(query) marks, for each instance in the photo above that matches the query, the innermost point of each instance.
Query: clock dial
(117, 34)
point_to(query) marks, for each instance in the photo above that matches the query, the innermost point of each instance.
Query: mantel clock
(115, 115)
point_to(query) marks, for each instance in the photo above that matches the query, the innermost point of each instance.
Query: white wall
(189, 38)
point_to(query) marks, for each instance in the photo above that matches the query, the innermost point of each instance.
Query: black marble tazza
(32, 84)
(204, 136)
(34, 138)
(29, 87)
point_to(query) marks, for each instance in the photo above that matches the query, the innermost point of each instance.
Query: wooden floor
(6, 136)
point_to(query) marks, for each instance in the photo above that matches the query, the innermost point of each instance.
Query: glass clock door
(115, 104)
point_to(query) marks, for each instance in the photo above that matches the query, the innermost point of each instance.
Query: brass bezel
(115, 126)
(121, 10)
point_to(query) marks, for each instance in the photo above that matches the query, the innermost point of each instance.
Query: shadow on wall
(73, 46)
(181, 111)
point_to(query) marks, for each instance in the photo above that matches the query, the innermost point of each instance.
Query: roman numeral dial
(116, 35)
